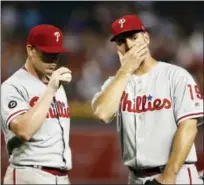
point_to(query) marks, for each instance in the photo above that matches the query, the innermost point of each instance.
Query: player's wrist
(50, 90)
(123, 72)
(170, 172)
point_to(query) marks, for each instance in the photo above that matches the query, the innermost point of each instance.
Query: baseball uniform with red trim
(152, 107)
(49, 146)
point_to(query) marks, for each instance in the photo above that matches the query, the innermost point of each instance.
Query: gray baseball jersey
(49, 146)
(152, 107)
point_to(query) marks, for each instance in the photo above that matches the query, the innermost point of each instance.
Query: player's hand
(62, 74)
(133, 58)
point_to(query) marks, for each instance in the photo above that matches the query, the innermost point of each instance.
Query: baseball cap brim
(123, 32)
(54, 49)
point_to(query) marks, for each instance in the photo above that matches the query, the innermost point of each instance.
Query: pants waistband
(51, 170)
(151, 171)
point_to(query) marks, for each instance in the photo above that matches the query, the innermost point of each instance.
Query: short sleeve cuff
(189, 116)
(14, 115)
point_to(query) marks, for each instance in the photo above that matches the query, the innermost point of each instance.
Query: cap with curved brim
(125, 24)
(54, 49)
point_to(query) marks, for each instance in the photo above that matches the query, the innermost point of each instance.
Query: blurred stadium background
(176, 32)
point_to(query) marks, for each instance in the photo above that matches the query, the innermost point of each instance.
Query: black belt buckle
(161, 168)
(63, 169)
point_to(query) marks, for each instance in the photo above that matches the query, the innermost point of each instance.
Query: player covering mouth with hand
(157, 106)
(35, 112)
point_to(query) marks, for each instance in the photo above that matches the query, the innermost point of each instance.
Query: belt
(151, 171)
(51, 170)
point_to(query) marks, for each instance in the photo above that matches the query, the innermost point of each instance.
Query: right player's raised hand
(62, 74)
(133, 58)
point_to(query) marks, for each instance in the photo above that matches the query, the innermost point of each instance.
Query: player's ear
(146, 37)
(29, 49)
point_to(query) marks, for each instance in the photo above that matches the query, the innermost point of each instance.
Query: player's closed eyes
(49, 57)
(122, 39)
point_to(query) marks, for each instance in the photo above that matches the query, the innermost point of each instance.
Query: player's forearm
(106, 105)
(182, 145)
(28, 124)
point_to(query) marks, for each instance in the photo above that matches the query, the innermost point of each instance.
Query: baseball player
(158, 106)
(35, 113)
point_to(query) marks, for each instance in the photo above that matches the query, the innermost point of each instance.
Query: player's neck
(146, 66)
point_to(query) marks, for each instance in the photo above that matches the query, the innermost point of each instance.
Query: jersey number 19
(194, 91)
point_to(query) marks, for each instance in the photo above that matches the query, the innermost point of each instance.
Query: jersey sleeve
(13, 103)
(106, 83)
(188, 100)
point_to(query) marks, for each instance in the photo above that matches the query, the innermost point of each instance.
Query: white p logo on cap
(121, 22)
(57, 35)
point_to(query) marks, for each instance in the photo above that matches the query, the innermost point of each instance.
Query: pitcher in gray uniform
(158, 107)
(35, 113)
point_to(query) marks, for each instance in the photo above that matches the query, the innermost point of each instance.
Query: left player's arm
(182, 144)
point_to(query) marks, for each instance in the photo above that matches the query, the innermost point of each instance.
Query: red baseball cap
(125, 24)
(46, 38)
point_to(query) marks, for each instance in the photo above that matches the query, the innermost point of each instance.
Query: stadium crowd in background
(175, 27)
